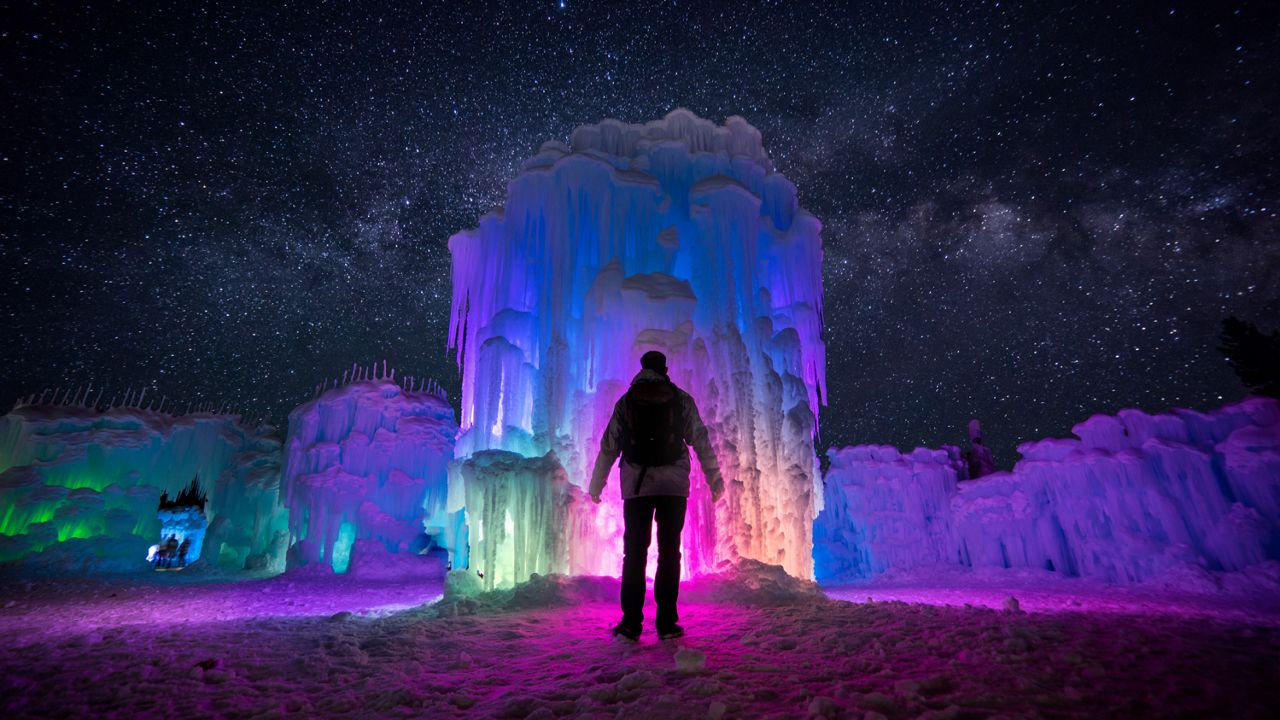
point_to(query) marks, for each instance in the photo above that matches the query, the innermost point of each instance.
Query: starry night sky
(1031, 213)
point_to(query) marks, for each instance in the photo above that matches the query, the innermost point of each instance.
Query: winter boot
(629, 633)
(670, 632)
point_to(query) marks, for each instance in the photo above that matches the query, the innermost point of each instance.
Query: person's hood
(647, 375)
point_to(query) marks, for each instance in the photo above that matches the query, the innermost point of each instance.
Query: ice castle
(678, 236)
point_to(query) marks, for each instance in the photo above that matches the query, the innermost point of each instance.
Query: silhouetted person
(170, 550)
(979, 456)
(652, 426)
(182, 552)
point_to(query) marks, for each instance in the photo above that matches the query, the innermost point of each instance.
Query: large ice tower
(678, 236)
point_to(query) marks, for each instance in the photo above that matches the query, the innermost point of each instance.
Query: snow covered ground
(759, 645)
(1250, 597)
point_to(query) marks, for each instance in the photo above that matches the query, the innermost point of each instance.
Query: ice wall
(1134, 496)
(367, 461)
(80, 486)
(675, 236)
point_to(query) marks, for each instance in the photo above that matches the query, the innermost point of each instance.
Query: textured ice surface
(80, 487)
(368, 462)
(675, 236)
(1134, 498)
(499, 487)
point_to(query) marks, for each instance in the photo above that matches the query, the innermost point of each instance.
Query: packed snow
(760, 644)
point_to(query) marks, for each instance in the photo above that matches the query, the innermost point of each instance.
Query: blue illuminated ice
(367, 461)
(80, 485)
(1135, 497)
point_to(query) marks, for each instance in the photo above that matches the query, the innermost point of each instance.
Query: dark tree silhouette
(1253, 354)
(191, 496)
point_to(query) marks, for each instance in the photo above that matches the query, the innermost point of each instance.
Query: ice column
(678, 236)
(501, 487)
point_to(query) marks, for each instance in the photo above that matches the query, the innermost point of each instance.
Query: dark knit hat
(654, 360)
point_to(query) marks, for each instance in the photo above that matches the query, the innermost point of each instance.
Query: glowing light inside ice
(342, 547)
(82, 485)
(674, 236)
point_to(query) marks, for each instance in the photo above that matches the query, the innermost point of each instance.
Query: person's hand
(595, 499)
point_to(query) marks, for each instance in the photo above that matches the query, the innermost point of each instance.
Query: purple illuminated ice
(1136, 496)
(678, 236)
(366, 470)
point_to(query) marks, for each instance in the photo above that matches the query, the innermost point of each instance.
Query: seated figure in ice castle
(652, 425)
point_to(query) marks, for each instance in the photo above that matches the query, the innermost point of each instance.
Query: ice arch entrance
(676, 236)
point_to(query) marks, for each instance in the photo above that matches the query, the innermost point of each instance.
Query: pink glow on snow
(286, 646)
(1240, 597)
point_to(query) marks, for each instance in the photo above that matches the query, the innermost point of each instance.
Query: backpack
(654, 425)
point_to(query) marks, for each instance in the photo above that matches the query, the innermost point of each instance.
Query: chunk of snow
(689, 660)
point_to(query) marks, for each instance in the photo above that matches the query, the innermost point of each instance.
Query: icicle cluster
(500, 487)
(360, 373)
(80, 484)
(674, 236)
(1135, 497)
(131, 400)
(366, 461)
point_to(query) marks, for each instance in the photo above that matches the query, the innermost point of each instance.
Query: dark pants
(639, 515)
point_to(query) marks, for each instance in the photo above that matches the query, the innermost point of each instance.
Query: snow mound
(464, 593)
(747, 583)
(752, 583)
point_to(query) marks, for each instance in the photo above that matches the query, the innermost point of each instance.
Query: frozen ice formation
(367, 461)
(1134, 497)
(498, 487)
(80, 486)
(677, 236)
